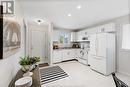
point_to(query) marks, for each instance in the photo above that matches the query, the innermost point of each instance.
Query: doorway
(37, 43)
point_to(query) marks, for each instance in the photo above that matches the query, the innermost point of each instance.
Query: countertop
(60, 48)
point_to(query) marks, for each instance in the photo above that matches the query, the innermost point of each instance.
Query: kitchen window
(126, 37)
(64, 38)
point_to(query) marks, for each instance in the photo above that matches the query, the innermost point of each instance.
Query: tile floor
(82, 76)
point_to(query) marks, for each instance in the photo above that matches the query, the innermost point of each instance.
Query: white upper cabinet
(56, 35)
(106, 28)
(93, 47)
(82, 35)
(79, 36)
(91, 31)
(99, 29)
(73, 36)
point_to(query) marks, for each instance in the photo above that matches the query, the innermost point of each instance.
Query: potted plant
(28, 63)
(34, 60)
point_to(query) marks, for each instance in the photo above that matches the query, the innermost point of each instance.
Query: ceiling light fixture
(79, 7)
(39, 21)
(69, 15)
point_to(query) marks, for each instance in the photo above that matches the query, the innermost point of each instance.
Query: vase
(26, 68)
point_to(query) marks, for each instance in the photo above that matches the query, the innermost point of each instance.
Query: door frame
(30, 37)
(49, 41)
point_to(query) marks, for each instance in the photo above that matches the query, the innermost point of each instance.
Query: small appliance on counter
(76, 45)
(55, 45)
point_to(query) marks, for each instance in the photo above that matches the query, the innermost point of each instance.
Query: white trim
(124, 50)
(124, 25)
(122, 72)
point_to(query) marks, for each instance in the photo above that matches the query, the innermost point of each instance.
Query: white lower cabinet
(77, 54)
(83, 61)
(68, 54)
(57, 56)
(63, 55)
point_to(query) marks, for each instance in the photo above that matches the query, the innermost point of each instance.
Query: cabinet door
(73, 36)
(72, 53)
(93, 44)
(57, 56)
(101, 44)
(98, 64)
(56, 35)
(107, 28)
(77, 53)
(68, 54)
(79, 36)
(110, 27)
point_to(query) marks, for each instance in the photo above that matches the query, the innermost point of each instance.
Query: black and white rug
(51, 74)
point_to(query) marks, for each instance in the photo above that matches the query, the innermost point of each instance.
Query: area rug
(51, 74)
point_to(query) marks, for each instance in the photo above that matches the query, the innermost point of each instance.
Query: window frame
(121, 47)
(63, 34)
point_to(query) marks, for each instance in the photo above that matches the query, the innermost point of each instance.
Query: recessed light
(39, 21)
(79, 7)
(69, 15)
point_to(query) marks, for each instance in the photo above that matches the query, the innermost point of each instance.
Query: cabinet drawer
(68, 54)
(98, 64)
(57, 56)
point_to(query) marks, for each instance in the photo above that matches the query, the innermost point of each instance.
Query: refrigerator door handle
(96, 45)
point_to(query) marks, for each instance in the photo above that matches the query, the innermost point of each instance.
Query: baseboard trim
(123, 73)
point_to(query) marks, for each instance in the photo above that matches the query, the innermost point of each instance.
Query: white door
(93, 44)
(101, 44)
(38, 41)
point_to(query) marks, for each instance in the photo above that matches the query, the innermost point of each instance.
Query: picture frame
(11, 37)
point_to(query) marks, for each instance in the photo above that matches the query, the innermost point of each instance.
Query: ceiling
(92, 11)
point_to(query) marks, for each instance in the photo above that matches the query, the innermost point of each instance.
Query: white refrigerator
(102, 53)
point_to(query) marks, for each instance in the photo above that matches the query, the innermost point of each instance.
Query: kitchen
(75, 43)
(80, 45)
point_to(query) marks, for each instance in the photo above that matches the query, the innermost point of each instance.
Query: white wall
(10, 66)
(123, 56)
